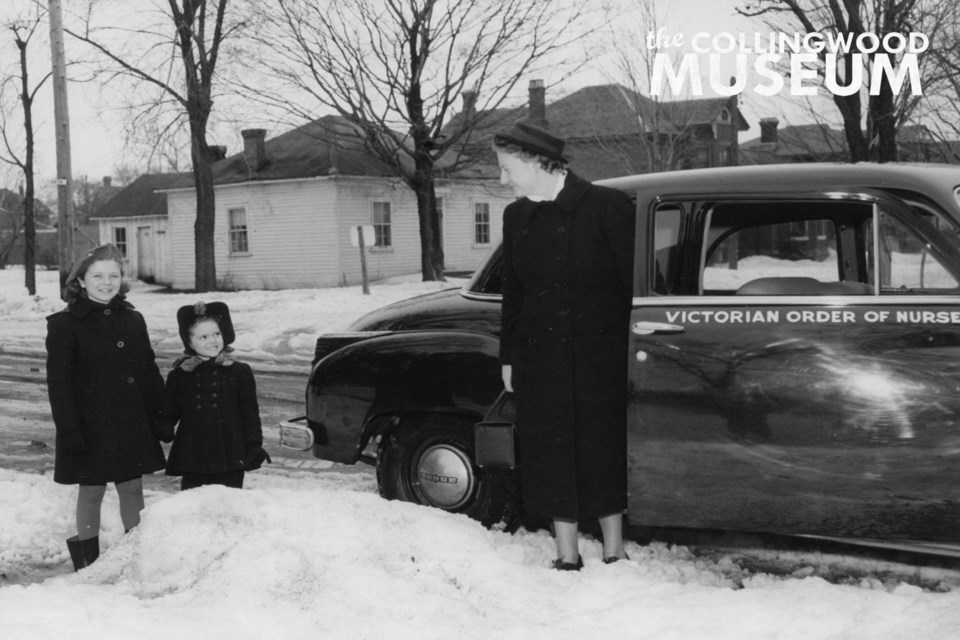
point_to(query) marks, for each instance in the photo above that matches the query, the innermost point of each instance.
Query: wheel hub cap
(446, 476)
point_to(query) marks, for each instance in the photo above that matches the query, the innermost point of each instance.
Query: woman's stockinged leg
(89, 499)
(566, 533)
(131, 502)
(612, 528)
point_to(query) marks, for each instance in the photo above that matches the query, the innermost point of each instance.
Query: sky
(96, 132)
(311, 551)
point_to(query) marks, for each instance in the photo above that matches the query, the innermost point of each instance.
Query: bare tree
(398, 68)
(659, 142)
(941, 111)
(23, 29)
(189, 35)
(870, 132)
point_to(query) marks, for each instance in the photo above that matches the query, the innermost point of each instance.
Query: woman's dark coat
(567, 288)
(103, 381)
(216, 405)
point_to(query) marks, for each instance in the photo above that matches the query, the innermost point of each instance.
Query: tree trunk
(205, 272)
(29, 196)
(857, 147)
(882, 113)
(431, 236)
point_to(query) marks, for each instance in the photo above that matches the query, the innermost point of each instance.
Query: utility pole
(61, 116)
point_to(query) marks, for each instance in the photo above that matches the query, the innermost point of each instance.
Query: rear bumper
(295, 434)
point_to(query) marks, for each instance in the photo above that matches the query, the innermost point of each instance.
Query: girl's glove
(256, 458)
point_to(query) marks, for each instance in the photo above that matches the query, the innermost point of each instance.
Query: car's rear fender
(362, 388)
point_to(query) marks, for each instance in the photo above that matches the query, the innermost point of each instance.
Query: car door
(794, 366)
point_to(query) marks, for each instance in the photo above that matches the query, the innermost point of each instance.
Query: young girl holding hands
(105, 390)
(214, 399)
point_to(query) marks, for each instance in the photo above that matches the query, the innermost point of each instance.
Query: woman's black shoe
(560, 565)
(612, 559)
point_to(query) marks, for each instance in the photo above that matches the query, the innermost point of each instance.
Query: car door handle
(648, 328)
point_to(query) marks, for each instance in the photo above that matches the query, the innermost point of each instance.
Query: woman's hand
(507, 375)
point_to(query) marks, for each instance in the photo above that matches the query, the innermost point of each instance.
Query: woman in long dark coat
(567, 288)
(105, 392)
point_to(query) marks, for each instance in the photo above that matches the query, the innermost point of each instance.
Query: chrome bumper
(294, 434)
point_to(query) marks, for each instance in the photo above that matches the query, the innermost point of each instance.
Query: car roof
(938, 181)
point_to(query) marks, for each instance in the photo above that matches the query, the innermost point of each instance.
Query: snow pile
(321, 556)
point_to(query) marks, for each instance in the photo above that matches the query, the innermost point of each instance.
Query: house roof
(613, 109)
(140, 197)
(816, 141)
(327, 146)
(332, 145)
(802, 143)
(608, 110)
(597, 113)
(700, 111)
(601, 111)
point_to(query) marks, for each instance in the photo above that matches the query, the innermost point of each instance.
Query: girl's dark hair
(214, 319)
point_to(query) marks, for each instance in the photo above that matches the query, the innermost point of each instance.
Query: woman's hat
(218, 311)
(533, 140)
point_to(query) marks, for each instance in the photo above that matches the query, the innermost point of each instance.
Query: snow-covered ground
(304, 554)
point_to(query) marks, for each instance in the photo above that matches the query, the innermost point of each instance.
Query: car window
(667, 238)
(486, 279)
(765, 248)
(907, 262)
(800, 249)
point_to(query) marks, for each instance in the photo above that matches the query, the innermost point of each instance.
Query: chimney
(107, 180)
(253, 151)
(537, 114)
(768, 130)
(469, 102)
(219, 151)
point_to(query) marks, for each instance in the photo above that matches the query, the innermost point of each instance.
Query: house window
(239, 241)
(703, 157)
(481, 223)
(381, 224)
(120, 240)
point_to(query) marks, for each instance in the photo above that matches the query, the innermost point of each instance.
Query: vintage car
(794, 363)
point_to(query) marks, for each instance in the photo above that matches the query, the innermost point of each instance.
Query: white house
(136, 221)
(285, 208)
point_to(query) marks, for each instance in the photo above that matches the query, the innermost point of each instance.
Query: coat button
(106, 312)
(120, 343)
(130, 379)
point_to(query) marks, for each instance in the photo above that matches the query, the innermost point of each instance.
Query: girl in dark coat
(214, 398)
(105, 390)
(567, 288)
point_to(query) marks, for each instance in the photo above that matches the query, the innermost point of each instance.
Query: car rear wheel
(429, 460)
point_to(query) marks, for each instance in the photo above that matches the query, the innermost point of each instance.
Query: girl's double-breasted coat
(103, 381)
(567, 290)
(216, 405)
